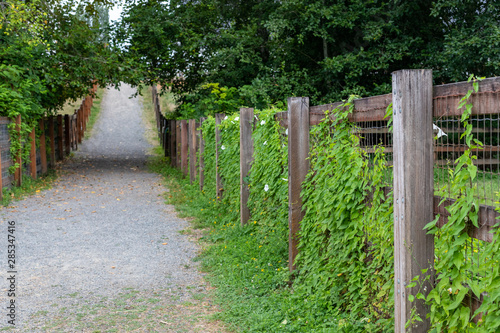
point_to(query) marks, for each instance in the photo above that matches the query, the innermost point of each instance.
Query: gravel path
(100, 251)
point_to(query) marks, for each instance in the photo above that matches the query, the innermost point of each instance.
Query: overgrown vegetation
(465, 267)
(249, 264)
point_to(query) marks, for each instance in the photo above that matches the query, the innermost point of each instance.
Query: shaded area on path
(102, 238)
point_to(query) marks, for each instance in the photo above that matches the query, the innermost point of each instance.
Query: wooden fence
(416, 102)
(57, 136)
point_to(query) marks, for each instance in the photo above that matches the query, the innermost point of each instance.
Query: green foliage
(229, 166)
(208, 130)
(464, 265)
(345, 277)
(346, 250)
(268, 182)
(209, 100)
(324, 49)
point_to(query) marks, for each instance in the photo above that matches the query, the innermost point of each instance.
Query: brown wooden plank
(484, 161)
(486, 101)
(43, 148)
(33, 153)
(173, 142)
(282, 118)
(202, 151)
(246, 159)
(18, 175)
(178, 144)
(298, 166)
(184, 146)
(192, 150)
(219, 187)
(60, 136)
(67, 137)
(52, 142)
(413, 190)
(461, 88)
(488, 218)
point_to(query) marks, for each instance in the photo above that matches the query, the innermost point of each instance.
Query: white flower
(237, 118)
(222, 147)
(225, 118)
(265, 143)
(286, 132)
(450, 290)
(266, 188)
(262, 122)
(285, 179)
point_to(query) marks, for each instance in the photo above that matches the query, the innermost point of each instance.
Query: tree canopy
(247, 52)
(325, 49)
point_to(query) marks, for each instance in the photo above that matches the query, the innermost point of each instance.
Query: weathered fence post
(52, 139)
(43, 150)
(202, 151)
(192, 150)
(33, 153)
(18, 175)
(67, 138)
(173, 151)
(79, 121)
(218, 181)
(413, 191)
(184, 146)
(298, 166)
(178, 143)
(60, 136)
(246, 159)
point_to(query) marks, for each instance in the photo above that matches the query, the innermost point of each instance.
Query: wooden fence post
(219, 187)
(202, 151)
(60, 136)
(178, 144)
(52, 142)
(173, 145)
(184, 147)
(192, 150)
(166, 137)
(298, 166)
(79, 124)
(33, 153)
(413, 191)
(43, 150)
(246, 159)
(67, 138)
(18, 175)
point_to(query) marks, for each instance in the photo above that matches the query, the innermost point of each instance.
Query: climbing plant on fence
(229, 165)
(346, 241)
(208, 130)
(464, 266)
(268, 201)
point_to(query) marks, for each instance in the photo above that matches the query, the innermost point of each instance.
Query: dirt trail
(100, 251)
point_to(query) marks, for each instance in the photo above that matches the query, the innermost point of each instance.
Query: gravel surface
(101, 251)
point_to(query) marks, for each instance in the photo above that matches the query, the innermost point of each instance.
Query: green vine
(464, 267)
(346, 248)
